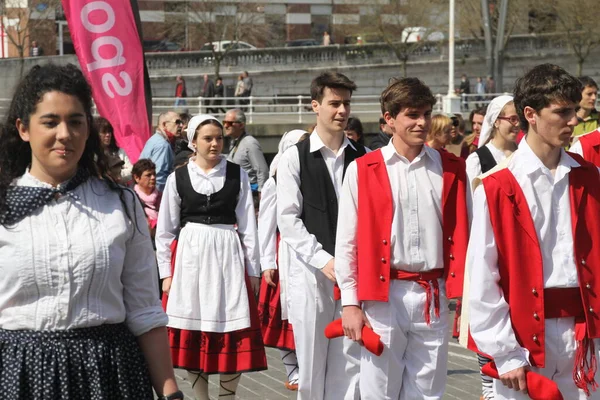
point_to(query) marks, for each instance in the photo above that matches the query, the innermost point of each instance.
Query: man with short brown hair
(408, 202)
(309, 180)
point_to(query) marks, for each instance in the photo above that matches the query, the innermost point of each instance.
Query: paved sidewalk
(463, 379)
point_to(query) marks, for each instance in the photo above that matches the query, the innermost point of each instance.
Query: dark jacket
(379, 141)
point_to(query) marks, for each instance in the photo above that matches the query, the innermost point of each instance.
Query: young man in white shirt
(534, 249)
(400, 250)
(309, 179)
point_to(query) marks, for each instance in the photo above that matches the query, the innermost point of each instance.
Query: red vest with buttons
(520, 259)
(375, 214)
(590, 144)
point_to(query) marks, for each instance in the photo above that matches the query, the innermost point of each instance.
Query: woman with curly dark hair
(78, 282)
(109, 144)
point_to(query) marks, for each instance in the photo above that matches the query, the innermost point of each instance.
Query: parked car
(224, 45)
(302, 43)
(419, 33)
(160, 45)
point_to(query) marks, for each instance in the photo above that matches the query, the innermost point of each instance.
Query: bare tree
(214, 21)
(492, 21)
(407, 26)
(23, 19)
(579, 24)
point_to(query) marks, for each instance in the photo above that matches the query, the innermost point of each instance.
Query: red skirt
(275, 331)
(219, 353)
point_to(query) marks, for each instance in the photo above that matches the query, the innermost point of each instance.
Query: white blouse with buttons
(79, 262)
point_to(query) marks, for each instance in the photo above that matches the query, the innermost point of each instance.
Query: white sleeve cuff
(320, 259)
(164, 271)
(350, 298)
(267, 263)
(513, 360)
(146, 319)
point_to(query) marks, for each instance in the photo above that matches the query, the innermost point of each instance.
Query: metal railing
(282, 109)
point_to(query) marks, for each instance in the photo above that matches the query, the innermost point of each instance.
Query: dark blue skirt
(99, 363)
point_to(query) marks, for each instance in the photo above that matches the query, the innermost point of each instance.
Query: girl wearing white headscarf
(272, 301)
(498, 137)
(213, 322)
(497, 141)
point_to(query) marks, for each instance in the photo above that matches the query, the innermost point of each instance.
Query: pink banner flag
(109, 49)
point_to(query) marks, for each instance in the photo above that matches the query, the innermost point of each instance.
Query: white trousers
(329, 369)
(560, 357)
(414, 362)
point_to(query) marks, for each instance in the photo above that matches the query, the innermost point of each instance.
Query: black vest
(217, 208)
(320, 206)
(486, 159)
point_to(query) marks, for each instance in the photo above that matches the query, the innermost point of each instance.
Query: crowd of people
(342, 256)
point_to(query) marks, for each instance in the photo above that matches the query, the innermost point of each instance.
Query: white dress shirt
(474, 163)
(267, 226)
(416, 235)
(78, 262)
(289, 199)
(206, 183)
(550, 207)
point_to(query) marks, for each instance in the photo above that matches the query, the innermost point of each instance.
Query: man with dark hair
(408, 203)
(534, 294)
(586, 133)
(383, 137)
(587, 115)
(309, 180)
(245, 150)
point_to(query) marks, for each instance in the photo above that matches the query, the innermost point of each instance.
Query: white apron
(208, 291)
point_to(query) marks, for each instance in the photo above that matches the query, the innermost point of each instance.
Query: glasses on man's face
(513, 119)
(228, 123)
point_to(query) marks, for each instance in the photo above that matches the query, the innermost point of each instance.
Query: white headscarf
(194, 124)
(493, 111)
(287, 140)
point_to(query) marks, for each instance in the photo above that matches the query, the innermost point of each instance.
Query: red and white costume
(400, 252)
(588, 146)
(534, 262)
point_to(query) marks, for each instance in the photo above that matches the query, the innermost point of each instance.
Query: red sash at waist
(428, 280)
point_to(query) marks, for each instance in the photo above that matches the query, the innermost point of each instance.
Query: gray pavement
(463, 379)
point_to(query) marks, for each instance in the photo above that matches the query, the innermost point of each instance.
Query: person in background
(476, 120)
(182, 149)
(274, 263)
(109, 143)
(115, 167)
(144, 174)
(326, 39)
(208, 92)
(180, 92)
(464, 90)
(354, 130)
(480, 90)
(383, 137)
(35, 50)
(248, 86)
(239, 90)
(439, 134)
(210, 289)
(457, 145)
(79, 317)
(245, 150)
(159, 147)
(587, 115)
(497, 140)
(219, 94)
